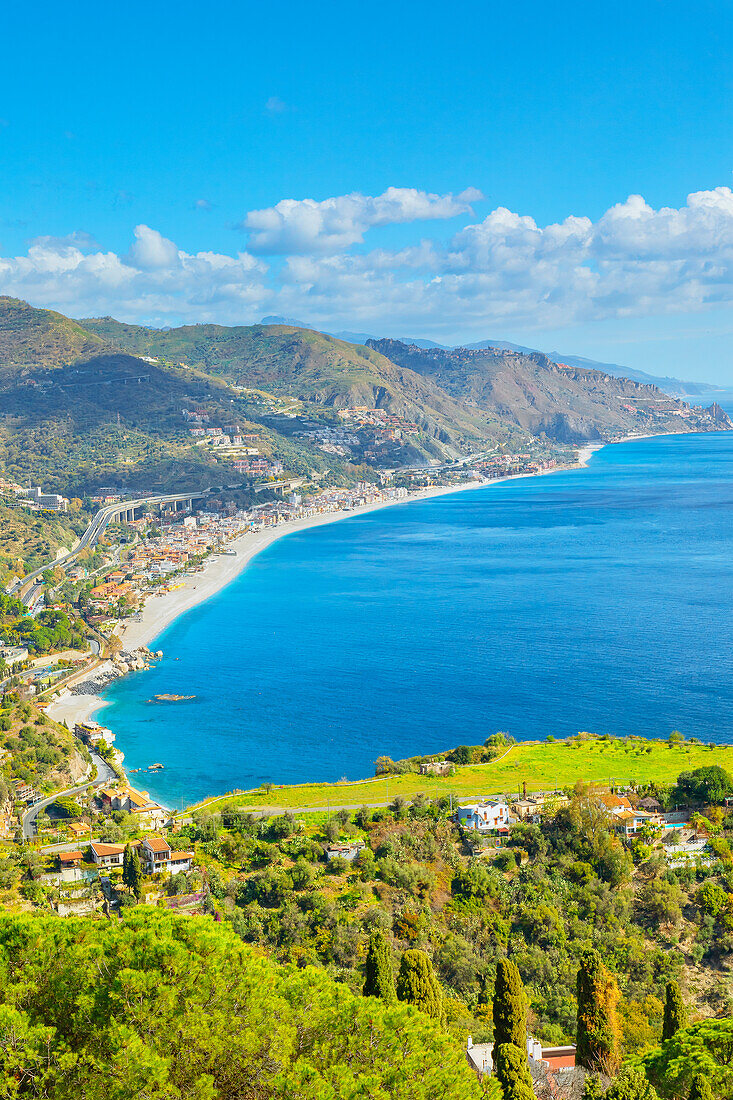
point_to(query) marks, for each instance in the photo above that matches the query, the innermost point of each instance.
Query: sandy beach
(161, 610)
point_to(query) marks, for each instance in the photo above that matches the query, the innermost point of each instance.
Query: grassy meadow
(541, 765)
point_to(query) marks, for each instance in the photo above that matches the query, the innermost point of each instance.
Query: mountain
(78, 411)
(566, 403)
(98, 401)
(312, 366)
(674, 386)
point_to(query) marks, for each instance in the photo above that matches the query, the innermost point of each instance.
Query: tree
(674, 1011)
(417, 984)
(708, 784)
(132, 874)
(510, 1006)
(597, 1041)
(512, 1072)
(379, 977)
(201, 1014)
(462, 754)
(630, 1084)
(126, 859)
(700, 1089)
(704, 1048)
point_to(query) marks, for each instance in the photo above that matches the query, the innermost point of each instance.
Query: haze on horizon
(540, 175)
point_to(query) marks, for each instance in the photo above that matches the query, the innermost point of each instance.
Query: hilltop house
(484, 817)
(156, 856)
(540, 1059)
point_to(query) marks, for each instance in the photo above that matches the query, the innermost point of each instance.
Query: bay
(596, 599)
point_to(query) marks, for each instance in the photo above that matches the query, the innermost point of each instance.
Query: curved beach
(161, 610)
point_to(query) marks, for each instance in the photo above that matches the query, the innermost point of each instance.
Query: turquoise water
(598, 599)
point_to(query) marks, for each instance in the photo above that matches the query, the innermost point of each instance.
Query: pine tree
(510, 1006)
(630, 1084)
(700, 1088)
(512, 1072)
(417, 984)
(675, 1014)
(598, 1035)
(379, 977)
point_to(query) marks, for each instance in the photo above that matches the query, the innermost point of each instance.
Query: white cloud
(505, 270)
(301, 226)
(152, 250)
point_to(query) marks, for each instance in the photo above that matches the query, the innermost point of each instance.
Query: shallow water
(597, 599)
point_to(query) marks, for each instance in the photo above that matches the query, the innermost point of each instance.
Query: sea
(595, 599)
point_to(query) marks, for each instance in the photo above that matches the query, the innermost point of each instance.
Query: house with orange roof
(156, 856)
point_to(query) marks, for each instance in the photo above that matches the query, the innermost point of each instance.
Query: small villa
(484, 817)
(156, 856)
(107, 855)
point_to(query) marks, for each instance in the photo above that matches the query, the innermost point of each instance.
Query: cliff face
(567, 404)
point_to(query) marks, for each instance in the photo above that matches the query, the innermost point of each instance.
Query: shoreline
(160, 611)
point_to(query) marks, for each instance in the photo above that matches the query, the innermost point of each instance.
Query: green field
(541, 765)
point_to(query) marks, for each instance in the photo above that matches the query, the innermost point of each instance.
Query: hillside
(100, 402)
(567, 404)
(41, 338)
(77, 413)
(316, 368)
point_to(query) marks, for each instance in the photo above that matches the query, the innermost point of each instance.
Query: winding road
(104, 775)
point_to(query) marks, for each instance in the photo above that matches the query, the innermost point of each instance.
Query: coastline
(160, 611)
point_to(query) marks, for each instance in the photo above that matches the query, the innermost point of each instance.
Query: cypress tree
(510, 1006)
(675, 1015)
(136, 874)
(700, 1088)
(379, 977)
(126, 865)
(598, 1035)
(417, 984)
(512, 1072)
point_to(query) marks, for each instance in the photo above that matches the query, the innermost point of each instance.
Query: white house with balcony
(484, 817)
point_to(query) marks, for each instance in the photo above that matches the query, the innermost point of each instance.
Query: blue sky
(179, 123)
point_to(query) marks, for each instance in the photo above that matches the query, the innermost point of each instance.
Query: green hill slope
(77, 413)
(41, 338)
(317, 368)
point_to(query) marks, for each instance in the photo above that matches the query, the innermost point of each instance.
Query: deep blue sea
(598, 599)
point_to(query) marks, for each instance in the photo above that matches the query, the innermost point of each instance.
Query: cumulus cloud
(152, 250)
(275, 105)
(503, 270)
(297, 226)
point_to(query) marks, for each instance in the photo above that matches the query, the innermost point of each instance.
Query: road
(104, 775)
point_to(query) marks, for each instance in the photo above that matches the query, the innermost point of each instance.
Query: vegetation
(49, 631)
(37, 751)
(674, 1010)
(703, 1049)
(417, 984)
(541, 765)
(181, 1008)
(598, 1034)
(510, 1006)
(512, 1072)
(378, 973)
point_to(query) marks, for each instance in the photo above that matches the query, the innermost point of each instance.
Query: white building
(484, 817)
